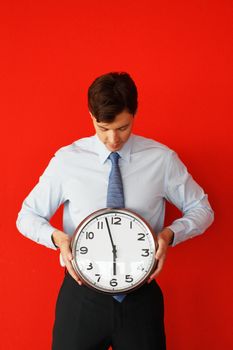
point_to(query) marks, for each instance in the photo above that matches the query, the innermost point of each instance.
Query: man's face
(115, 134)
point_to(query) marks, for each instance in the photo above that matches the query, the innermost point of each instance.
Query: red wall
(180, 55)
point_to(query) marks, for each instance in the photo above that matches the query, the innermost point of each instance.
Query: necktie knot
(114, 157)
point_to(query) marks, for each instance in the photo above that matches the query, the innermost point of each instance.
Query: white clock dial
(114, 250)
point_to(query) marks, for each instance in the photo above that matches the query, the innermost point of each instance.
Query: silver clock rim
(78, 231)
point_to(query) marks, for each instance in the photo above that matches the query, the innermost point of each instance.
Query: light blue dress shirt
(77, 177)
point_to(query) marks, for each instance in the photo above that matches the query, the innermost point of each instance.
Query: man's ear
(92, 116)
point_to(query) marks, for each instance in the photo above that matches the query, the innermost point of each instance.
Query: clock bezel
(78, 231)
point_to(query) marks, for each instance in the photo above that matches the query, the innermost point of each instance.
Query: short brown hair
(110, 94)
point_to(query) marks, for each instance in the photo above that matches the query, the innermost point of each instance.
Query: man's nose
(113, 137)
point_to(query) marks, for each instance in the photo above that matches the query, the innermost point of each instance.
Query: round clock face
(114, 251)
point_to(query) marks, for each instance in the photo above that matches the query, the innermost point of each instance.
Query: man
(77, 177)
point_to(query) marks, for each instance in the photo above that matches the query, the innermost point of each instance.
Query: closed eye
(123, 128)
(102, 128)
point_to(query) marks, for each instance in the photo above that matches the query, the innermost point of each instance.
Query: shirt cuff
(52, 239)
(178, 229)
(46, 236)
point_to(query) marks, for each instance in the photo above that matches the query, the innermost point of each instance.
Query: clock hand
(114, 259)
(113, 247)
(109, 232)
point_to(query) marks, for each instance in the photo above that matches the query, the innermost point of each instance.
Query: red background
(180, 55)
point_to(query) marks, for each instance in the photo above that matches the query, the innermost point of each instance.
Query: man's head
(110, 94)
(112, 102)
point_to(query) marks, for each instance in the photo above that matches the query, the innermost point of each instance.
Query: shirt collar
(103, 152)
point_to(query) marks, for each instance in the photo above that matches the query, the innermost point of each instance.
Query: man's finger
(67, 258)
(162, 248)
(72, 272)
(158, 269)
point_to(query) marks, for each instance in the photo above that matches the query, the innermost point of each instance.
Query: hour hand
(114, 267)
(115, 251)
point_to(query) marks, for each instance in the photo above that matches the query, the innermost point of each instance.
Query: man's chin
(114, 148)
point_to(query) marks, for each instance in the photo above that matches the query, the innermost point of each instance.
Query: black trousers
(89, 320)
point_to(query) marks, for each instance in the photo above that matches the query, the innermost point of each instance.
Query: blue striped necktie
(115, 195)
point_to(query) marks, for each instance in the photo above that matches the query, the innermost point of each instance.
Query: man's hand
(165, 237)
(62, 241)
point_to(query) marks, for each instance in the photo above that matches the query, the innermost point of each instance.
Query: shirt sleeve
(40, 205)
(183, 191)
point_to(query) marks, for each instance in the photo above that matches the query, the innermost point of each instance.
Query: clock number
(89, 235)
(141, 236)
(128, 278)
(98, 276)
(131, 224)
(146, 252)
(100, 225)
(113, 282)
(90, 266)
(116, 221)
(83, 250)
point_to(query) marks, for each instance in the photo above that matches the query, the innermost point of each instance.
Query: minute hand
(110, 235)
(113, 248)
